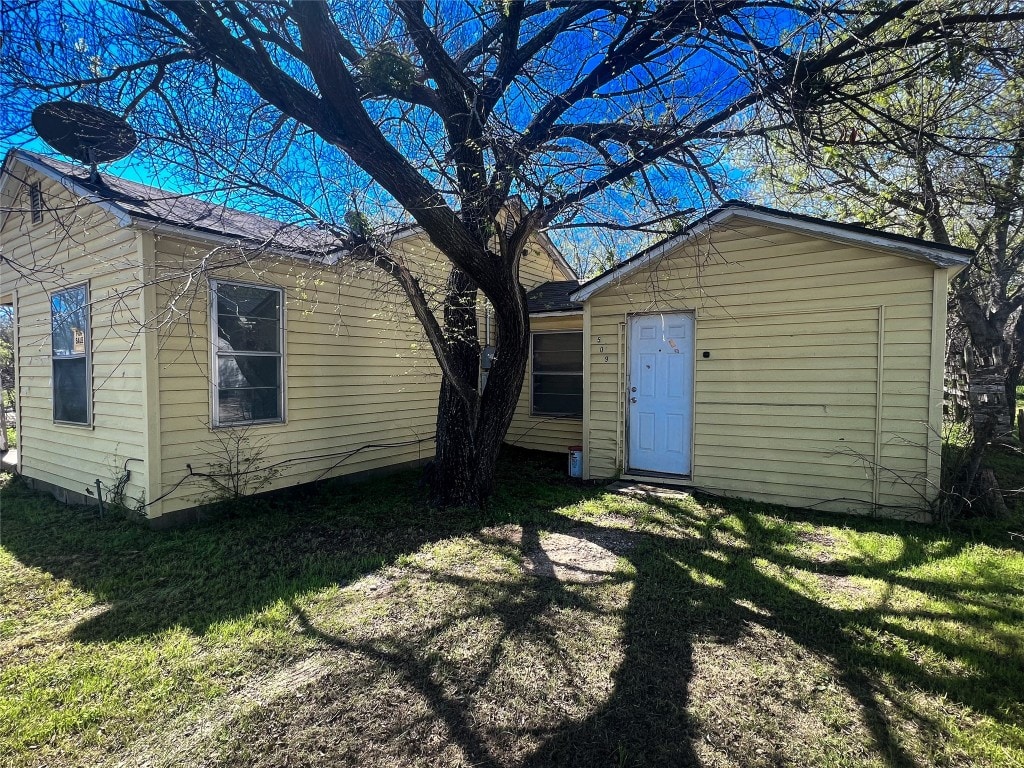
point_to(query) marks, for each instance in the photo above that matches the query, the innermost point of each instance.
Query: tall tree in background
(484, 122)
(6, 371)
(938, 155)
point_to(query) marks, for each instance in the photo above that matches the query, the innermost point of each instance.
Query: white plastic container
(576, 461)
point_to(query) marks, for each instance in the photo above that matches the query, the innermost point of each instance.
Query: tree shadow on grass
(715, 577)
(707, 587)
(270, 548)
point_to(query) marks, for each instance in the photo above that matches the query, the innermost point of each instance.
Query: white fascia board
(936, 255)
(120, 215)
(556, 256)
(654, 254)
(939, 257)
(558, 313)
(330, 259)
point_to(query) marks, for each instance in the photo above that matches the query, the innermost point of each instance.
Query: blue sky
(318, 175)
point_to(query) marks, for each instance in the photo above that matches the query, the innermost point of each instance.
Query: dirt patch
(817, 537)
(764, 701)
(844, 585)
(580, 555)
(822, 546)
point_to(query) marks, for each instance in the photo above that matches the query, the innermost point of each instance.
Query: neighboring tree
(937, 155)
(483, 122)
(6, 371)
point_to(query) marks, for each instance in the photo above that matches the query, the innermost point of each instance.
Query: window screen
(248, 368)
(557, 374)
(72, 394)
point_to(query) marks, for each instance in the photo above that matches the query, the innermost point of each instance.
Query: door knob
(632, 399)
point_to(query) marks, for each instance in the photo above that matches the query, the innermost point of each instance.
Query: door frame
(627, 344)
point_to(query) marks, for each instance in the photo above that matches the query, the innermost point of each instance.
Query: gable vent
(35, 201)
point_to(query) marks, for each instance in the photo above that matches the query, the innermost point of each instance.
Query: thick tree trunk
(1013, 374)
(469, 435)
(988, 361)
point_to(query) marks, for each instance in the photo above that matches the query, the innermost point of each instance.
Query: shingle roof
(140, 201)
(553, 297)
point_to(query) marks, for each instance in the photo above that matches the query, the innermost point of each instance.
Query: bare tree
(484, 123)
(941, 155)
(6, 371)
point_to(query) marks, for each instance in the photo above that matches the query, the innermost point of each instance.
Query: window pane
(242, 334)
(248, 301)
(245, 371)
(71, 390)
(248, 404)
(248, 319)
(558, 352)
(560, 395)
(248, 388)
(70, 322)
(248, 385)
(558, 374)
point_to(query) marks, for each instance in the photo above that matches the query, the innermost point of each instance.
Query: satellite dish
(86, 133)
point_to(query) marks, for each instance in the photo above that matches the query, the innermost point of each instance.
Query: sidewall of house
(73, 245)
(815, 382)
(361, 382)
(545, 433)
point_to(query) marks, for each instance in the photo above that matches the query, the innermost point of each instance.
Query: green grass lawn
(353, 626)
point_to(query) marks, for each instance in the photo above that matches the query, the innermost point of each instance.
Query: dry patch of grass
(567, 626)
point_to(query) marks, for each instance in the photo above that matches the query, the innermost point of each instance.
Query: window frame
(551, 415)
(215, 421)
(87, 355)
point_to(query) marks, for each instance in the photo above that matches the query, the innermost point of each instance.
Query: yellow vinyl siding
(83, 244)
(536, 267)
(817, 388)
(357, 372)
(545, 433)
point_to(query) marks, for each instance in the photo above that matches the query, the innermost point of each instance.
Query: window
(557, 361)
(35, 201)
(248, 364)
(69, 323)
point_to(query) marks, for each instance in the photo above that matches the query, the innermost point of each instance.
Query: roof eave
(157, 227)
(938, 256)
(561, 312)
(120, 215)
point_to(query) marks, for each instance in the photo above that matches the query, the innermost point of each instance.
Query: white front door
(660, 393)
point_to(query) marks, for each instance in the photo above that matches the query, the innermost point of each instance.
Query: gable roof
(553, 296)
(132, 203)
(944, 256)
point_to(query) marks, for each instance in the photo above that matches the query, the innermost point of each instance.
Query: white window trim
(87, 355)
(215, 421)
(533, 410)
